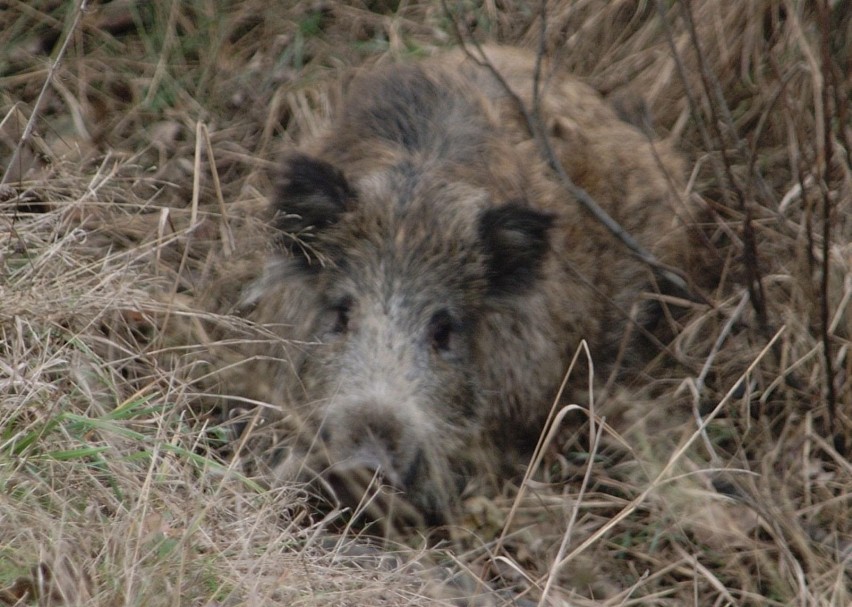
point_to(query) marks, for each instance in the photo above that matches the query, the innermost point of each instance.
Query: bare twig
(539, 57)
(826, 168)
(751, 260)
(537, 131)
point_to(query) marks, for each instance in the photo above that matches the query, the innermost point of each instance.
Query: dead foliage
(135, 144)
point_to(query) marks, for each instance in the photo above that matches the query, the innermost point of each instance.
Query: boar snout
(367, 436)
(373, 463)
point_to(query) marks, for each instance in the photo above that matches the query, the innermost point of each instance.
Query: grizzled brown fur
(433, 278)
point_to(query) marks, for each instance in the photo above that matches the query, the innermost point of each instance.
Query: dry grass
(129, 204)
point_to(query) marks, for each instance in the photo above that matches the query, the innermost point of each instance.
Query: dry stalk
(661, 476)
(51, 73)
(552, 576)
(551, 427)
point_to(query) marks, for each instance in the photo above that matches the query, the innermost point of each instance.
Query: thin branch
(536, 130)
(826, 166)
(751, 260)
(539, 57)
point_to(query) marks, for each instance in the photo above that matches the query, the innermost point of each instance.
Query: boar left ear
(311, 195)
(516, 239)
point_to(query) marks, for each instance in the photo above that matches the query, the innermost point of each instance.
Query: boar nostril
(371, 430)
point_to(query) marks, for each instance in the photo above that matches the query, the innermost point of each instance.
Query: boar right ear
(516, 239)
(311, 195)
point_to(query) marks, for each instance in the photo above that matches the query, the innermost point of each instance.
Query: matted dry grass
(134, 171)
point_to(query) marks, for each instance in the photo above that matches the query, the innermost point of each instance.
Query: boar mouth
(370, 489)
(369, 501)
(372, 492)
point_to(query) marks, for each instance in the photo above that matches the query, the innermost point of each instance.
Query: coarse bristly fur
(433, 278)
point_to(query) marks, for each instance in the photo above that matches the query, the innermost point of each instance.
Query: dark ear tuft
(311, 195)
(515, 238)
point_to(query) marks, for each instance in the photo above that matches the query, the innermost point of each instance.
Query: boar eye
(341, 311)
(441, 329)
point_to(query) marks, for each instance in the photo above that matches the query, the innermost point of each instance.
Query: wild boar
(432, 277)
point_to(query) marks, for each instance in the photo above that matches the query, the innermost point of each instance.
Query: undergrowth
(136, 141)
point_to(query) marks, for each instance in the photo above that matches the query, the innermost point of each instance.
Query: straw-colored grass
(135, 144)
